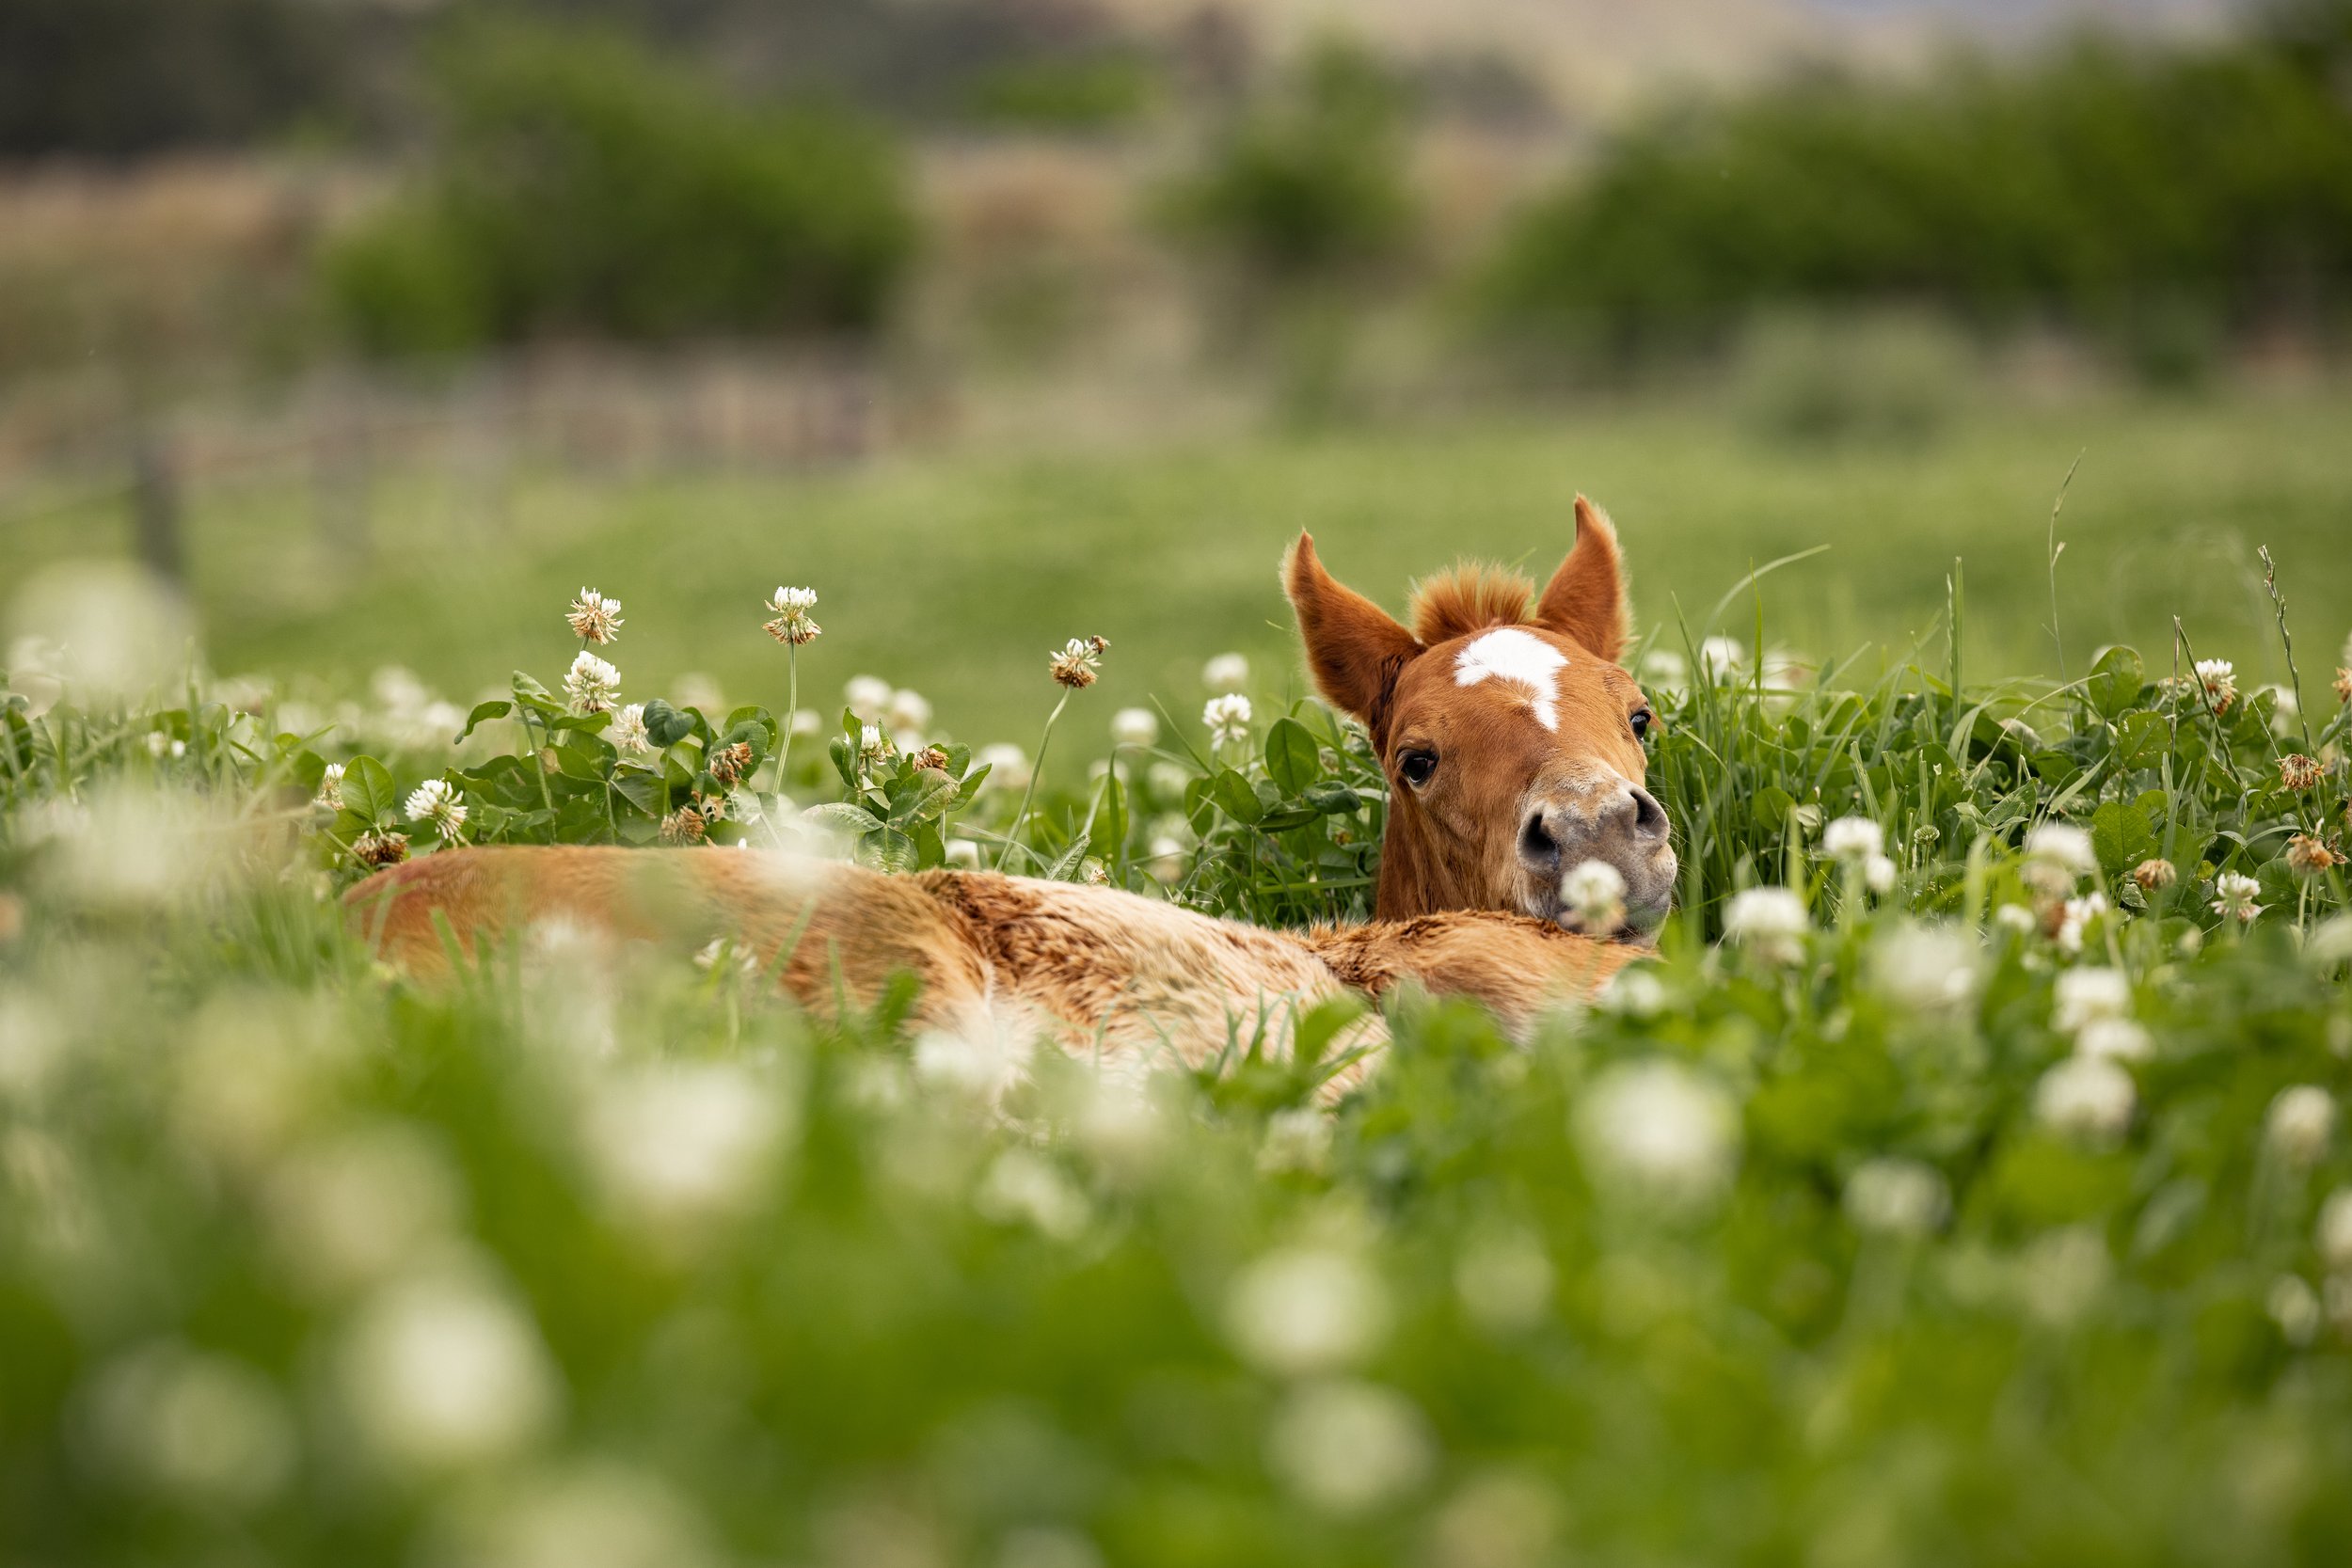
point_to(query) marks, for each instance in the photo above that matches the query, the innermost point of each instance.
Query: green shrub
(1092, 93)
(1312, 185)
(583, 188)
(2125, 192)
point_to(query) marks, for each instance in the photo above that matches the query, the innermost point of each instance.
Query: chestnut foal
(1511, 743)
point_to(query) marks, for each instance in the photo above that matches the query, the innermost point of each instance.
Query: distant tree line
(117, 78)
(583, 186)
(2107, 185)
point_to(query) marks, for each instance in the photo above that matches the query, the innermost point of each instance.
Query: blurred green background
(384, 328)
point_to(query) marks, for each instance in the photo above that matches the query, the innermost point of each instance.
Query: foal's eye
(1416, 766)
(1641, 719)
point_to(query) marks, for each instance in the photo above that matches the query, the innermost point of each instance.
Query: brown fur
(1091, 968)
(1464, 912)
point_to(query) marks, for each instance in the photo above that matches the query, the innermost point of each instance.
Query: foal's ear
(1585, 598)
(1354, 648)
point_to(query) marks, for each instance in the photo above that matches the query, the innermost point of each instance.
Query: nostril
(1536, 843)
(1649, 817)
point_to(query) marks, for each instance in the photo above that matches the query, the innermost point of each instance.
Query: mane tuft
(1467, 599)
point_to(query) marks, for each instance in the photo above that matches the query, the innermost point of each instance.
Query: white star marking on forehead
(1522, 658)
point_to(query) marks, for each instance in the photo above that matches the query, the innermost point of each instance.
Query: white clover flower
(2117, 1039)
(868, 697)
(436, 801)
(594, 618)
(592, 685)
(1346, 1448)
(2218, 676)
(1505, 1281)
(2335, 1231)
(1166, 781)
(2087, 994)
(2064, 1272)
(982, 1060)
(907, 712)
(627, 732)
(1924, 968)
(200, 1428)
(2075, 918)
(1228, 719)
(1079, 663)
(597, 1513)
(1225, 672)
(1502, 1518)
(873, 746)
(791, 624)
(1305, 1310)
(441, 1372)
(1853, 838)
(1593, 892)
(2293, 1306)
(1298, 1140)
(2301, 1122)
(2234, 896)
(2018, 918)
(1722, 659)
(331, 787)
(1878, 873)
(2058, 856)
(1165, 859)
(2087, 1098)
(1769, 922)
(1020, 1187)
(964, 853)
(1008, 765)
(684, 1142)
(1662, 1127)
(1897, 1197)
(1135, 726)
(1666, 670)
(351, 1210)
(2285, 709)
(1634, 992)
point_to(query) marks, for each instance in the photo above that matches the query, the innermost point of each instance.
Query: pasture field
(1982, 1196)
(952, 572)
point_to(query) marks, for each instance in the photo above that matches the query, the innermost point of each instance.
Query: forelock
(1469, 598)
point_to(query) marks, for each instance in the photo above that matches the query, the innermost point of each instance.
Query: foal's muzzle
(1611, 820)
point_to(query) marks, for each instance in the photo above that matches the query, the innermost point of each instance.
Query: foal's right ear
(1354, 648)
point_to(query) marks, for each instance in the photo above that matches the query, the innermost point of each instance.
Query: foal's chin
(1649, 899)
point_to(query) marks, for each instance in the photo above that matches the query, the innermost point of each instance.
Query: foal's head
(1511, 738)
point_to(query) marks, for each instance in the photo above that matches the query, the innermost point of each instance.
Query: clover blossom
(436, 801)
(592, 685)
(1228, 718)
(792, 626)
(594, 618)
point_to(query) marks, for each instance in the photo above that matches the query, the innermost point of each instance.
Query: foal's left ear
(1585, 597)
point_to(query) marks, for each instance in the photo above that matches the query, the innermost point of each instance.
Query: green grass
(1770, 1259)
(957, 575)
